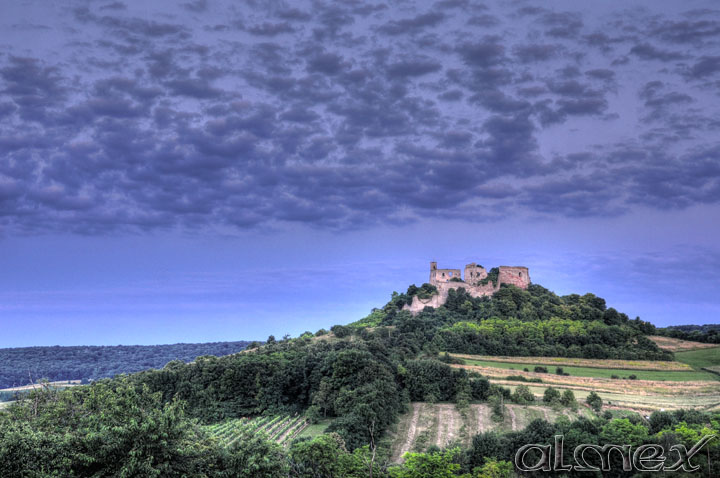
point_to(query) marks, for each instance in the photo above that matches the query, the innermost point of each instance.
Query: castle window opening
(450, 274)
(443, 274)
(519, 274)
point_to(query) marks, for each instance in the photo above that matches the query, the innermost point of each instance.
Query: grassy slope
(605, 373)
(698, 359)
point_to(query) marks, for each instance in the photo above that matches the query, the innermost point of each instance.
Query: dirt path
(513, 419)
(449, 422)
(411, 433)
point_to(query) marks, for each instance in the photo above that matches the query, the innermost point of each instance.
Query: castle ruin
(475, 281)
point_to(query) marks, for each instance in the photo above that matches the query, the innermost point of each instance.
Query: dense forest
(362, 375)
(24, 365)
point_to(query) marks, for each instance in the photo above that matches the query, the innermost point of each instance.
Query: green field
(315, 429)
(680, 376)
(702, 358)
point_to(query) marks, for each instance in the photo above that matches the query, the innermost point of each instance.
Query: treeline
(21, 366)
(708, 333)
(532, 322)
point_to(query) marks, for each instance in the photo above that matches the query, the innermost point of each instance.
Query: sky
(205, 171)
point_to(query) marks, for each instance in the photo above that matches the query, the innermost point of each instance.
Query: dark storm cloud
(706, 66)
(534, 52)
(650, 52)
(413, 67)
(345, 114)
(412, 25)
(690, 31)
(562, 25)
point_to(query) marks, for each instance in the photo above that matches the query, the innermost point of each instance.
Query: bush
(540, 369)
(497, 406)
(551, 395)
(632, 377)
(522, 395)
(613, 376)
(568, 398)
(594, 401)
(521, 378)
(341, 331)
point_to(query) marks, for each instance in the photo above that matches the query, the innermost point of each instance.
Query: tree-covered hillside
(532, 322)
(365, 372)
(20, 366)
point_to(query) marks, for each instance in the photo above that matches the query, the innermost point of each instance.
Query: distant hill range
(21, 366)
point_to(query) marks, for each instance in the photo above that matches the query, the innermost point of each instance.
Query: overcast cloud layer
(340, 115)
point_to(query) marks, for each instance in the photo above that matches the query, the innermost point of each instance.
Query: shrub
(522, 395)
(497, 406)
(540, 369)
(594, 401)
(632, 377)
(551, 395)
(521, 378)
(341, 331)
(568, 398)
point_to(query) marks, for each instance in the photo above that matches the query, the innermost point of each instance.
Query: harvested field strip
(441, 424)
(579, 362)
(628, 401)
(678, 345)
(639, 387)
(653, 375)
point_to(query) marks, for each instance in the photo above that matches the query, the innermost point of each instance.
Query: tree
(493, 469)
(551, 396)
(497, 405)
(252, 455)
(318, 457)
(522, 395)
(568, 398)
(428, 465)
(595, 402)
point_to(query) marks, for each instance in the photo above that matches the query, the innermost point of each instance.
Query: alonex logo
(649, 457)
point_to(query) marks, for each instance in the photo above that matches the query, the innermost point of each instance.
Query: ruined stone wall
(444, 275)
(474, 273)
(517, 276)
